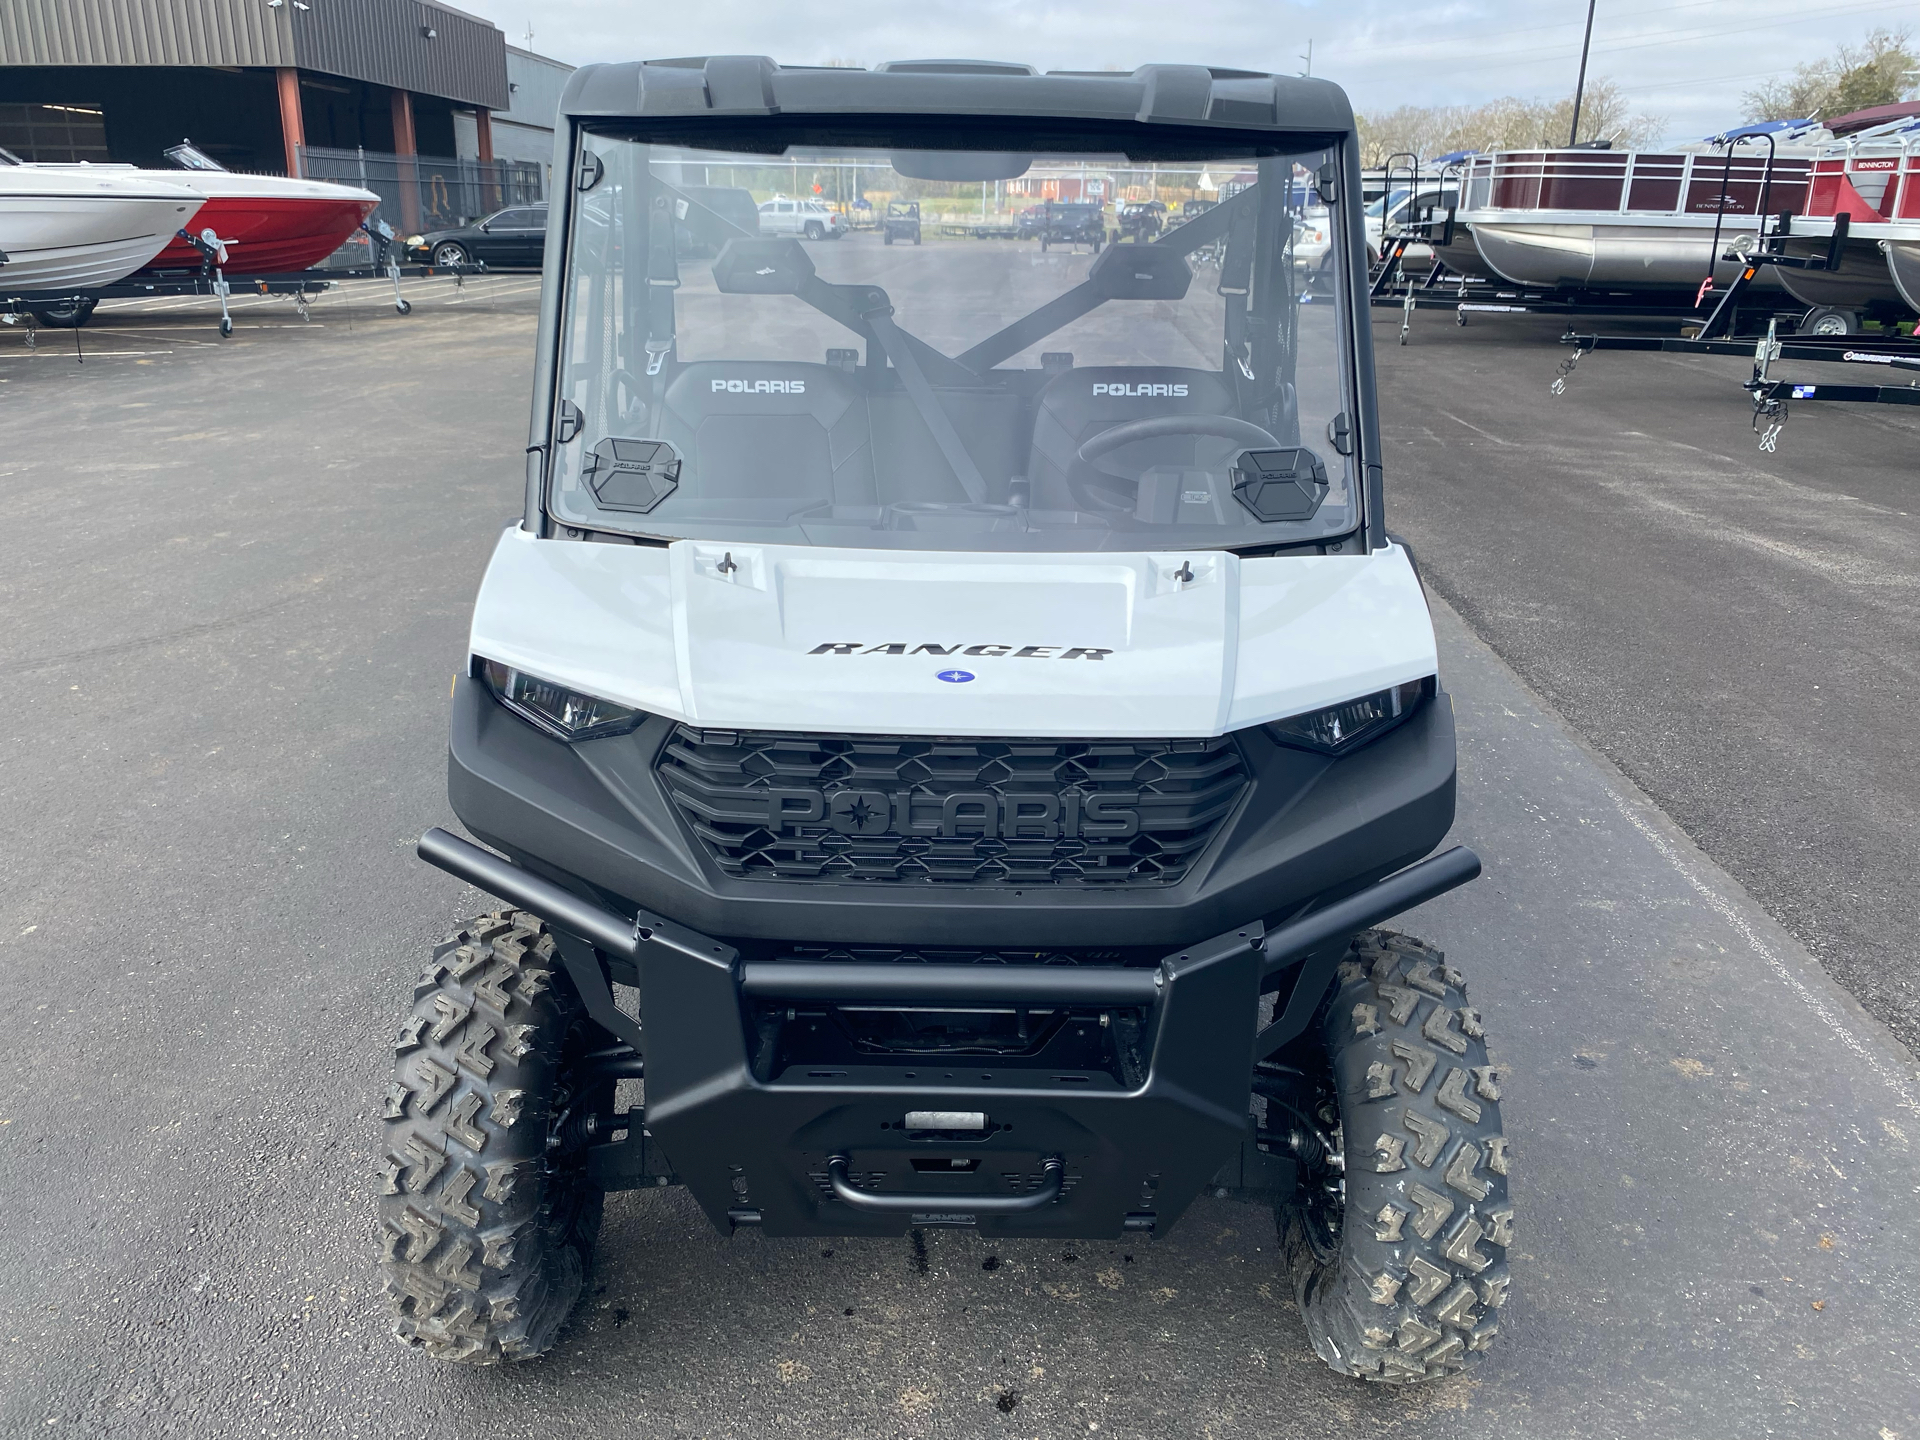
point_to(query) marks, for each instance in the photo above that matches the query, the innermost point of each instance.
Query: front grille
(912, 810)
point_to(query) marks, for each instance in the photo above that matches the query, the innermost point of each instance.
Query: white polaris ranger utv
(971, 695)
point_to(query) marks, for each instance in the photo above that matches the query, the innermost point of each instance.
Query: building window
(54, 132)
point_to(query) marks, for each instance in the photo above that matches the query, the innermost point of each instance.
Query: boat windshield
(189, 156)
(7, 157)
(763, 376)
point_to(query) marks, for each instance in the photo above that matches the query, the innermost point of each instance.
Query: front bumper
(1307, 828)
(1130, 1098)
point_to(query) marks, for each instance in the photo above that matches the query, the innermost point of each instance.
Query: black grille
(912, 810)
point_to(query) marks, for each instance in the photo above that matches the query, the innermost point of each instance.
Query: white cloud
(1689, 61)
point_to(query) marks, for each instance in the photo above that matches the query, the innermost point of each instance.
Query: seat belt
(893, 341)
(663, 278)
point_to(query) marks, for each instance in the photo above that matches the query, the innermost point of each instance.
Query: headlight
(415, 241)
(1340, 728)
(562, 713)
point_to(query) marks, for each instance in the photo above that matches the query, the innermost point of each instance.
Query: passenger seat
(770, 431)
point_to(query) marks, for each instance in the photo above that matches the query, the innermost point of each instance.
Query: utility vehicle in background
(903, 222)
(1070, 223)
(944, 728)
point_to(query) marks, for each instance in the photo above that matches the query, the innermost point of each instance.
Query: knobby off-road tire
(488, 1232)
(1411, 1287)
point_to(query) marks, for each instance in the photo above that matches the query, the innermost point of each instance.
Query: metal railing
(1633, 182)
(425, 192)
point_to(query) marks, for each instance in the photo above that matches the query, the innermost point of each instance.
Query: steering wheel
(1221, 427)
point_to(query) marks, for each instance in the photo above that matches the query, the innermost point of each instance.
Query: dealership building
(418, 100)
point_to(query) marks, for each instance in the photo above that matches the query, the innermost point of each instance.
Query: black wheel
(405, 307)
(226, 326)
(1829, 320)
(916, 237)
(65, 314)
(889, 238)
(1044, 242)
(815, 230)
(1398, 1242)
(487, 1216)
(451, 252)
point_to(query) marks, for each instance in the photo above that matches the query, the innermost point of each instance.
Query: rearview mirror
(1141, 272)
(761, 267)
(961, 165)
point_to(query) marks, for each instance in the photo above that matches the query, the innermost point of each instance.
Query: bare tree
(1509, 123)
(1854, 77)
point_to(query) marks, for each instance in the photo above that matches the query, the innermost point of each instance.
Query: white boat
(1630, 219)
(81, 228)
(1873, 178)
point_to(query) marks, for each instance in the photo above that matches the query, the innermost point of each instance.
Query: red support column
(489, 180)
(293, 130)
(409, 172)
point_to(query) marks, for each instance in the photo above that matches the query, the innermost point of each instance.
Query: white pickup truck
(809, 219)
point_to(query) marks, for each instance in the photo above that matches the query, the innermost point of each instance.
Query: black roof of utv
(748, 86)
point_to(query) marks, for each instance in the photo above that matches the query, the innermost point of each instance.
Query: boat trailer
(1773, 398)
(18, 307)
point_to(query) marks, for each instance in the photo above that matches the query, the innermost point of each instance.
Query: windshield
(750, 372)
(189, 156)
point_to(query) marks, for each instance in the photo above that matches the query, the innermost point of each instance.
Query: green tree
(1505, 124)
(1854, 77)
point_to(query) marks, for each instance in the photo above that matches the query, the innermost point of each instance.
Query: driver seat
(1076, 405)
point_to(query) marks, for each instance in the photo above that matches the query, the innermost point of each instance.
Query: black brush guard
(1139, 1105)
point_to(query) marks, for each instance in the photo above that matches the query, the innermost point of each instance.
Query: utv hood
(780, 637)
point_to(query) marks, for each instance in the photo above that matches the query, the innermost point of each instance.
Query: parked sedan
(514, 236)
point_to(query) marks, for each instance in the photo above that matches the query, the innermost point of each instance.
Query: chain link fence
(419, 193)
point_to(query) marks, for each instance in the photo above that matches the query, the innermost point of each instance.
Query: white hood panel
(1118, 645)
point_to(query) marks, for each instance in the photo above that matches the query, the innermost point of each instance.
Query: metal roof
(753, 85)
(382, 41)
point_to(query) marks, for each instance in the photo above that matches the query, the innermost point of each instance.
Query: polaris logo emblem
(1016, 815)
(955, 677)
(989, 652)
(760, 387)
(1139, 390)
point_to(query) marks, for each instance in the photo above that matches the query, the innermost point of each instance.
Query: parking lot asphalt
(1738, 631)
(242, 580)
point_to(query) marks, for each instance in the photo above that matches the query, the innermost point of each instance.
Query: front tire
(449, 252)
(487, 1217)
(1404, 1281)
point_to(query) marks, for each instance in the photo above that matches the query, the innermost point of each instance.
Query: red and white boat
(269, 223)
(1630, 220)
(1872, 177)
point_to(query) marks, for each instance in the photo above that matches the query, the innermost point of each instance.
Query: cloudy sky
(1688, 61)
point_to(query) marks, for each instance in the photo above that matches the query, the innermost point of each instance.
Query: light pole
(1580, 89)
